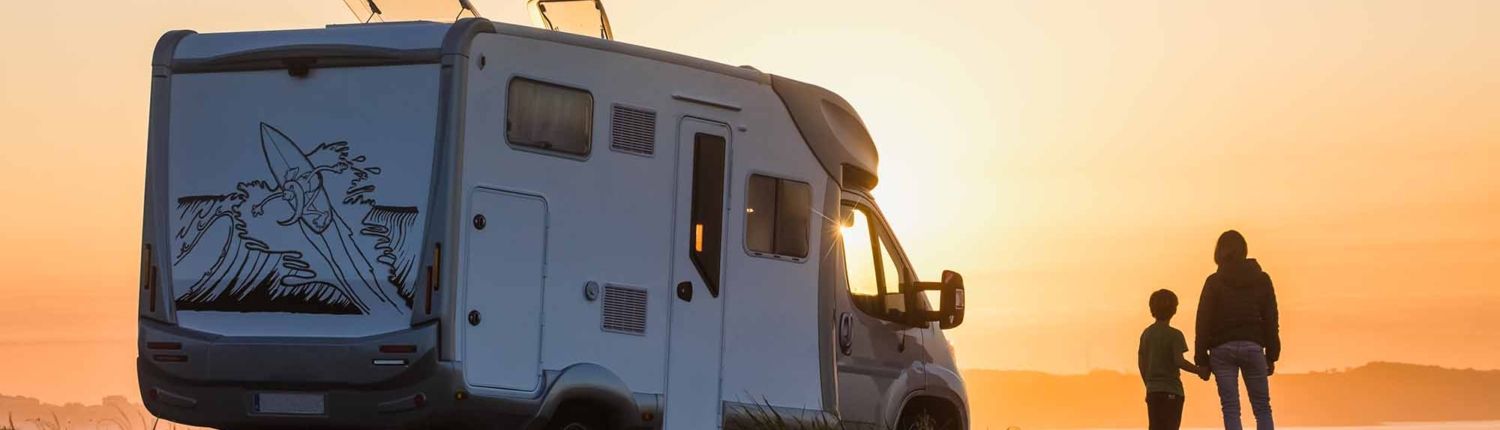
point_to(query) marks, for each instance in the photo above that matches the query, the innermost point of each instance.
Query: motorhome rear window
(549, 117)
(776, 216)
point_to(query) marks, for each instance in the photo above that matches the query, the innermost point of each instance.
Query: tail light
(172, 346)
(398, 349)
(148, 276)
(170, 358)
(432, 274)
(145, 266)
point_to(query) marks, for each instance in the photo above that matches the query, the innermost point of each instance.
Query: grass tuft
(763, 416)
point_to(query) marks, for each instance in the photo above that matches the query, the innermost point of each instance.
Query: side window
(549, 117)
(777, 212)
(707, 211)
(871, 271)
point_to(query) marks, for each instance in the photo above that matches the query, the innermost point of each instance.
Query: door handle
(685, 291)
(474, 317)
(846, 333)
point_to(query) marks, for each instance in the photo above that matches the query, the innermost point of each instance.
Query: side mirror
(950, 312)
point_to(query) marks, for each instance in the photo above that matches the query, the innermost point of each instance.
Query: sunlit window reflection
(858, 257)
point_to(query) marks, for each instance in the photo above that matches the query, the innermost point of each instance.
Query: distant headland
(1371, 394)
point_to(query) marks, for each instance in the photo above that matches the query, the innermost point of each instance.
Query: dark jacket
(1238, 303)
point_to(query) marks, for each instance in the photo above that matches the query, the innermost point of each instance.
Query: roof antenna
(571, 18)
(464, 5)
(374, 10)
(605, 32)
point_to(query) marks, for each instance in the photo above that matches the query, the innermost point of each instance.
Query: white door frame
(696, 332)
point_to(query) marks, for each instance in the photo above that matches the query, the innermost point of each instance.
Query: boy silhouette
(1160, 359)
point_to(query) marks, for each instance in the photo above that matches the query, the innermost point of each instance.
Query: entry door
(506, 242)
(698, 252)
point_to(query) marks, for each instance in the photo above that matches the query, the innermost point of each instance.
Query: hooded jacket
(1238, 303)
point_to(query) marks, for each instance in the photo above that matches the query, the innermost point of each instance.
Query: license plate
(289, 403)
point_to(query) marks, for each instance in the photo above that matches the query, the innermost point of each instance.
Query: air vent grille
(624, 310)
(633, 131)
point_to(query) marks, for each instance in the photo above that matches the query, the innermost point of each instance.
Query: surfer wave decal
(292, 241)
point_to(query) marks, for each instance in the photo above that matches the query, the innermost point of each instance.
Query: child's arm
(1140, 361)
(1184, 364)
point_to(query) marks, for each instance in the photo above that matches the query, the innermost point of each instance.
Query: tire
(578, 417)
(921, 419)
(574, 425)
(915, 420)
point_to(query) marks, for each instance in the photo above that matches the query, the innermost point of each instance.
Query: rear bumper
(217, 384)
(232, 406)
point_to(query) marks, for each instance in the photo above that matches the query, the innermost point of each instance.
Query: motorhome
(486, 225)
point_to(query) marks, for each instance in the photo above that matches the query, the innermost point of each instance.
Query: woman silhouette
(1238, 331)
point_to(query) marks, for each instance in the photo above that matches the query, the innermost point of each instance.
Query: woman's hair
(1231, 248)
(1163, 304)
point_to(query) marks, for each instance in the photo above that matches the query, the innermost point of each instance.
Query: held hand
(1270, 368)
(1203, 373)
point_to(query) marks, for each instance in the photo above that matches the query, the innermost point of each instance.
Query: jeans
(1164, 411)
(1229, 360)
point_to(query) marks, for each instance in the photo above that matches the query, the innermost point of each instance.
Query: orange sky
(1067, 157)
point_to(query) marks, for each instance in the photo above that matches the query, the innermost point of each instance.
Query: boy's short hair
(1163, 304)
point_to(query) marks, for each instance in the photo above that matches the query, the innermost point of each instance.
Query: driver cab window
(871, 272)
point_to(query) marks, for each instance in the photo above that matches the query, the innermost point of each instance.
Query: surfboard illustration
(286, 244)
(300, 184)
(298, 181)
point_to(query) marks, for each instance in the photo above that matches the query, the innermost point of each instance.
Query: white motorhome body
(486, 225)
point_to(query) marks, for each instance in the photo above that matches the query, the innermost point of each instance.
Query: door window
(707, 211)
(871, 272)
(890, 273)
(860, 271)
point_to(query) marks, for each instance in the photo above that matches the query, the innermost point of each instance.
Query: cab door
(697, 311)
(879, 357)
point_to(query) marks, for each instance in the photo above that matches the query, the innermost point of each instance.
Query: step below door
(505, 257)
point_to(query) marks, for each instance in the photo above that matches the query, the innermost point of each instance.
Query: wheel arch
(940, 401)
(594, 385)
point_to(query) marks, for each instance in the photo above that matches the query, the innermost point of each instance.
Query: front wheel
(922, 420)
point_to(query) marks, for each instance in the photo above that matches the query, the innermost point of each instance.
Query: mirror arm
(926, 286)
(914, 317)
